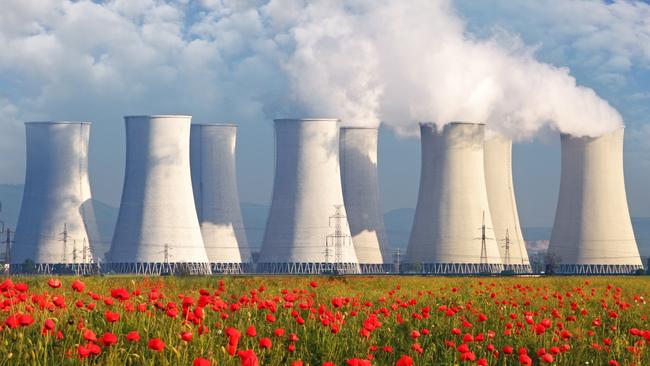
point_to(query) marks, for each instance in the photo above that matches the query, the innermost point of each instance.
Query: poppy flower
(111, 317)
(248, 358)
(265, 343)
(200, 361)
(251, 331)
(133, 336)
(547, 357)
(404, 361)
(108, 339)
(54, 283)
(120, 294)
(187, 336)
(156, 344)
(78, 286)
(89, 335)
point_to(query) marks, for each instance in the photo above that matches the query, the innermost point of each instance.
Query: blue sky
(249, 61)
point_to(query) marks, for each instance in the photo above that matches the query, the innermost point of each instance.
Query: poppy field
(319, 320)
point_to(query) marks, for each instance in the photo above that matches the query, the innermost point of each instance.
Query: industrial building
(358, 160)
(451, 229)
(592, 233)
(503, 205)
(307, 230)
(216, 197)
(157, 229)
(56, 229)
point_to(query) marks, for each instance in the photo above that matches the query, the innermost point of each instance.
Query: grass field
(325, 321)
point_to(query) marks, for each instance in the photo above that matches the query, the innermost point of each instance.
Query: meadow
(321, 320)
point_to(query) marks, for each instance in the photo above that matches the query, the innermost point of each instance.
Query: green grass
(393, 299)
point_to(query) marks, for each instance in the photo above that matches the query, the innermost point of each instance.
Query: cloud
(360, 60)
(610, 37)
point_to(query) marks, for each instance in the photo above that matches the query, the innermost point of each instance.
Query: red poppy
(133, 336)
(251, 331)
(120, 294)
(156, 344)
(547, 357)
(49, 324)
(265, 343)
(108, 339)
(200, 361)
(89, 335)
(111, 317)
(187, 336)
(54, 283)
(248, 358)
(404, 361)
(78, 285)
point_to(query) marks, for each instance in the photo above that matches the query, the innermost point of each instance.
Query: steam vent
(593, 233)
(450, 232)
(157, 229)
(307, 229)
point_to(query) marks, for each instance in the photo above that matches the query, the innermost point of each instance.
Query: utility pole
(166, 253)
(337, 238)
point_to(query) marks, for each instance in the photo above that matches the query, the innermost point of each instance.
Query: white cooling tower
(452, 227)
(592, 232)
(214, 182)
(157, 228)
(503, 206)
(358, 158)
(307, 231)
(56, 229)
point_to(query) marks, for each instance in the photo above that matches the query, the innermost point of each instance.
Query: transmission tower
(166, 253)
(506, 260)
(338, 238)
(8, 252)
(484, 267)
(397, 261)
(64, 239)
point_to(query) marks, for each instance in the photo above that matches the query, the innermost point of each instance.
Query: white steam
(402, 62)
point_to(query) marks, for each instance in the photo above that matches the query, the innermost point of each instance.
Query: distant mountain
(398, 225)
(397, 222)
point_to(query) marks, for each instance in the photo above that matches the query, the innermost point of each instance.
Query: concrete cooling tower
(358, 158)
(503, 206)
(216, 197)
(157, 229)
(307, 231)
(56, 229)
(592, 233)
(451, 230)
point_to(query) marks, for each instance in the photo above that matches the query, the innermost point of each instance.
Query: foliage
(311, 320)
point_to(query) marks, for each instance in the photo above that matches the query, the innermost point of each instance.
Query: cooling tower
(307, 231)
(451, 230)
(157, 229)
(592, 232)
(358, 158)
(56, 229)
(503, 206)
(214, 182)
